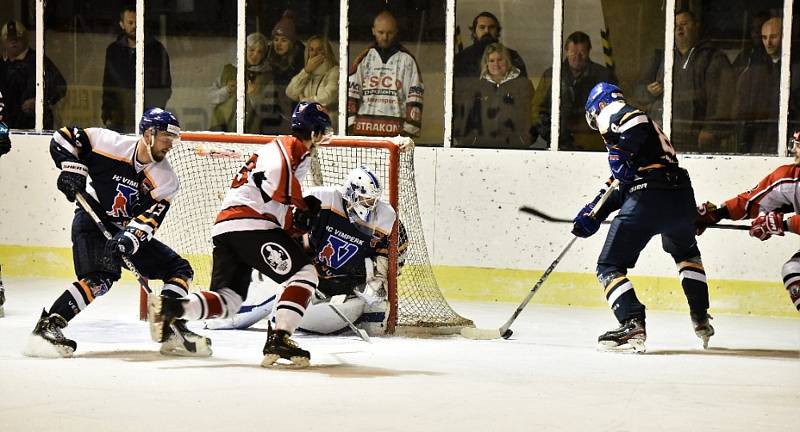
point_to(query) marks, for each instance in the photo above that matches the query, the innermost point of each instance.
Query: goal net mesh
(206, 164)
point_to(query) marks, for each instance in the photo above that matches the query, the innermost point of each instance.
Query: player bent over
(775, 194)
(251, 232)
(655, 197)
(348, 245)
(130, 186)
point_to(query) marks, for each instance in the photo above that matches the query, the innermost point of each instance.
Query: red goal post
(206, 163)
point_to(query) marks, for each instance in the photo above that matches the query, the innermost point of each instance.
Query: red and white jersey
(779, 192)
(264, 189)
(385, 98)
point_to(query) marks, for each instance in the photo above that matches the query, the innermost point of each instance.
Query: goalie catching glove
(125, 243)
(767, 225)
(303, 219)
(72, 179)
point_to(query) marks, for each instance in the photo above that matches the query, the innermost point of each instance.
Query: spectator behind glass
(119, 75)
(385, 89)
(500, 114)
(578, 75)
(700, 75)
(285, 59)
(18, 80)
(756, 108)
(257, 78)
(753, 51)
(318, 81)
(485, 30)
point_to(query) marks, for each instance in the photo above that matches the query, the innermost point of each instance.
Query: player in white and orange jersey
(252, 231)
(776, 194)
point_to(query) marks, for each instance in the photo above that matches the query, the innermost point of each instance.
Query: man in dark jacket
(485, 30)
(119, 76)
(18, 80)
(578, 76)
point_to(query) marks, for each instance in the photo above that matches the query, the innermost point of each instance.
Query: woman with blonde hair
(318, 81)
(499, 114)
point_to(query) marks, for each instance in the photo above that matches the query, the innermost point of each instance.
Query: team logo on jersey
(125, 195)
(337, 252)
(276, 257)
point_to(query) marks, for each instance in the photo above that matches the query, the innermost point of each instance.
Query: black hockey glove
(5, 141)
(303, 219)
(72, 179)
(125, 243)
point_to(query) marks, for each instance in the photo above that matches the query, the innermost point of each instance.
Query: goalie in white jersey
(254, 231)
(349, 246)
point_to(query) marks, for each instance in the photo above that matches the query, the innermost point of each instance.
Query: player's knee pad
(306, 278)
(98, 283)
(182, 269)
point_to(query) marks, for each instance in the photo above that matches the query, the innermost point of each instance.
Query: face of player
(162, 144)
(488, 28)
(128, 24)
(685, 31)
(385, 31)
(255, 54)
(496, 65)
(577, 56)
(771, 37)
(282, 44)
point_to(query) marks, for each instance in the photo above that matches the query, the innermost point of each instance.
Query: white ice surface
(548, 377)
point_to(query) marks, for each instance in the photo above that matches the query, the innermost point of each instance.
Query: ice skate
(161, 312)
(702, 327)
(280, 346)
(628, 337)
(180, 341)
(47, 340)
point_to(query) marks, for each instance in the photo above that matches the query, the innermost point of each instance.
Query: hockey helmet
(311, 117)
(361, 192)
(160, 120)
(602, 92)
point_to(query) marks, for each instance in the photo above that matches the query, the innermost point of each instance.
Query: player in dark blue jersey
(5, 141)
(655, 197)
(130, 185)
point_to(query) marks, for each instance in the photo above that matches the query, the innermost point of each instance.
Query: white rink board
(548, 377)
(468, 200)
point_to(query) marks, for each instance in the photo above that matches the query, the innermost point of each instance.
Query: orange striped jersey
(779, 192)
(262, 191)
(128, 191)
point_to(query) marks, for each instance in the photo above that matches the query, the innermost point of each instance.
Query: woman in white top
(319, 79)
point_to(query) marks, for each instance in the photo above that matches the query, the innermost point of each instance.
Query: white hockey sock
(211, 304)
(290, 307)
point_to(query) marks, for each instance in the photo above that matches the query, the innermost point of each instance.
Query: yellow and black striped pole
(608, 53)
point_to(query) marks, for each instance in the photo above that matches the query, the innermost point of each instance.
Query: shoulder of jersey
(111, 144)
(385, 217)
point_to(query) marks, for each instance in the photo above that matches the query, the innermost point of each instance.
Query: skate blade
(201, 349)
(273, 361)
(39, 347)
(633, 346)
(704, 341)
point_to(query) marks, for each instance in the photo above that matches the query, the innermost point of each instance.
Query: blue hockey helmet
(160, 120)
(311, 117)
(602, 92)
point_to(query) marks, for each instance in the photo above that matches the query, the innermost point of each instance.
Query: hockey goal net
(206, 163)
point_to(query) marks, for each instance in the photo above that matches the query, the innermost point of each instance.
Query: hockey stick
(505, 331)
(84, 203)
(360, 332)
(542, 215)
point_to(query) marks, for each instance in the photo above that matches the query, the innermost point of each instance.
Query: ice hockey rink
(547, 377)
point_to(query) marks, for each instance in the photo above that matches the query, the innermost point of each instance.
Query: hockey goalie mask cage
(602, 92)
(361, 191)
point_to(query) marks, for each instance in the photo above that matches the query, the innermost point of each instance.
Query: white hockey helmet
(361, 192)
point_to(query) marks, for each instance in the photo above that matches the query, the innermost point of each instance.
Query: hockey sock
(621, 296)
(175, 287)
(211, 304)
(72, 301)
(693, 280)
(290, 307)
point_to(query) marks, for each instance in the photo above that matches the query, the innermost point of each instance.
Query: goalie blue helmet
(160, 120)
(311, 117)
(361, 192)
(602, 92)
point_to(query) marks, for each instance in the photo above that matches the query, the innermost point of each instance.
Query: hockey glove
(5, 141)
(303, 219)
(125, 243)
(767, 225)
(585, 225)
(708, 214)
(72, 179)
(622, 168)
